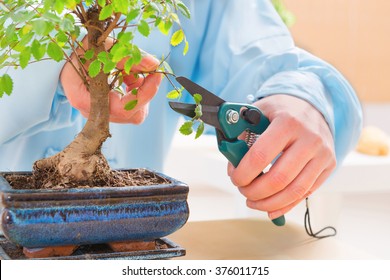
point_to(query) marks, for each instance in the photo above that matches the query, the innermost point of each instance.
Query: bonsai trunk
(82, 159)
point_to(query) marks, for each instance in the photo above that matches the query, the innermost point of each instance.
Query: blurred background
(352, 35)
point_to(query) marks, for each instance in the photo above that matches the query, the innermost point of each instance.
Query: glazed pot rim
(175, 187)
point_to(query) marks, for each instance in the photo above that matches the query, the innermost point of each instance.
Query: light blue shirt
(238, 49)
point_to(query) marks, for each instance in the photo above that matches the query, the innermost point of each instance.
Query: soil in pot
(115, 178)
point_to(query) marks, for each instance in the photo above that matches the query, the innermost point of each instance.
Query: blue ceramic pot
(41, 218)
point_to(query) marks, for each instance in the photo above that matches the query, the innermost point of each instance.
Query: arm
(315, 114)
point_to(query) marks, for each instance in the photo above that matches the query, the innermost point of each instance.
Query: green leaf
(197, 98)
(132, 15)
(47, 4)
(102, 3)
(61, 37)
(59, 6)
(165, 26)
(143, 28)
(3, 58)
(103, 57)
(183, 9)
(134, 91)
(137, 55)
(25, 39)
(70, 4)
(10, 31)
(125, 38)
(177, 37)
(67, 23)
(121, 6)
(6, 84)
(175, 18)
(94, 68)
(106, 12)
(108, 66)
(89, 54)
(174, 94)
(148, 12)
(119, 52)
(75, 33)
(41, 27)
(55, 52)
(38, 50)
(199, 130)
(22, 16)
(186, 128)
(26, 29)
(128, 65)
(51, 16)
(131, 104)
(198, 111)
(24, 57)
(186, 47)
(157, 22)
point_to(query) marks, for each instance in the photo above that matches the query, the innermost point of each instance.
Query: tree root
(57, 173)
(73, 171)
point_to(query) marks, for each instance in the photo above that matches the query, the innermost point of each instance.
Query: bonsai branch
(82, 12)
(109, 29)
(69, 60)
(82, 71)
(77, 43)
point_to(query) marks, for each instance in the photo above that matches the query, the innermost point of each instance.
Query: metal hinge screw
(232, 116)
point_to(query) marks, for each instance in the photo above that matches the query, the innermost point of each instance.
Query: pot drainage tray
(165, 249)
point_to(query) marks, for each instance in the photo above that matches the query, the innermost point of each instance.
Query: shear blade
(209, 113)
(183, 108)
(207, 97)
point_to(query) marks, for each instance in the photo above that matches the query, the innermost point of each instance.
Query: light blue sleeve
(36, 104)
(247, 52)
(325, 88)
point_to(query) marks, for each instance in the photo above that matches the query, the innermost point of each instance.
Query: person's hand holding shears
(297, 132)
(301, 134)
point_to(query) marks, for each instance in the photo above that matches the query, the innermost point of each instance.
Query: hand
(301, 135)
(79, 97)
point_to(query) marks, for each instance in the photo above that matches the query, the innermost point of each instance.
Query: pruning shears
(229, 119)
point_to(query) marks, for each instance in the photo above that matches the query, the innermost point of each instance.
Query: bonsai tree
(100, 35)
(96, 38)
